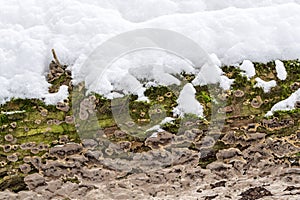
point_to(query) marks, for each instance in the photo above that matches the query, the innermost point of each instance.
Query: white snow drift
(280, 70)
(265, 85)
(258, 30)
(187, 103)
(287, 104)
(248, 67)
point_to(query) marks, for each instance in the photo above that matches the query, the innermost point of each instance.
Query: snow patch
(187, 102)
(54, 98)
(265, 85)
(259, 30)
(134, 72)
(157, 128)
(167, 120)
(215, 59)
(248, 68)
(287, 104)
(280, 70)
(212, 74)
(13, 112)
(226, 82)
(209, 74)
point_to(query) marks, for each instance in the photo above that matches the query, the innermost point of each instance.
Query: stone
(256, 102)
(89, 143)
(238, 93)
(13, 125)
(125, 145)
(36, 161)
(228, 153)
(218, 166)
(54, 185)
(297, 104)
(34, 150)
(63, 107)
(93, 155)
(161, 139)
(12, 157)
(25, 168)
(69, 119)
(9, 137)
(6, 148)
(255, 193)
(120, 134)
(34, 180)
(227, 109)
(65, 150)
(83, 115)
(63, 139)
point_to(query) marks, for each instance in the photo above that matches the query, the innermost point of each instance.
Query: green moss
(71, 179)
(3, 119)
(108, 122)
(265, 71)
(139, 110)
(186, 77)
(219, 145)
(240, 82)
(171, 127)
(204, 96)
(207, 159)
(13, 183)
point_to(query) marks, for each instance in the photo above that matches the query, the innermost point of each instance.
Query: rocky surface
(77, 150)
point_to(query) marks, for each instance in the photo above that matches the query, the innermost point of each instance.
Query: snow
(212, 74)
(187, 102)
(280, 70)
(129, 72)
(53, 98)
(287, 104)
(167, 120)
(157, 128)
(248, 67)
(265, 85)
(215, 59)
(13, 112)
(209, 74)
(225, 82)
(232, 30)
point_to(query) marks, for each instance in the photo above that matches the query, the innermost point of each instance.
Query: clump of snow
(187, 103)
(248, 67)
(208, 74)
(135, 12)
(280, 70)
(215, 59)
(265, 85)
(225, 82)
(167, 120)
(27, 85)
(211, 73)
(287, 104)
(158, 128)
(134, 72)
(54, 98)
(259, 30)
(155, 128)
(154, 135)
